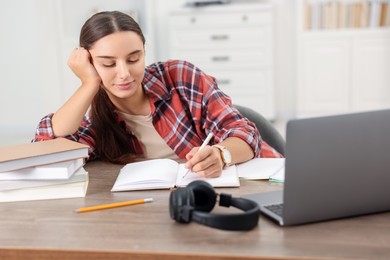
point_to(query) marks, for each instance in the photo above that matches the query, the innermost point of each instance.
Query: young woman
(165, 110)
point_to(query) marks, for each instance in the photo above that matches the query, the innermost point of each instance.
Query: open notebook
(165, 174)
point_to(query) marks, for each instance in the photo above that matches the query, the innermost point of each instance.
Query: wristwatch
(225, 155)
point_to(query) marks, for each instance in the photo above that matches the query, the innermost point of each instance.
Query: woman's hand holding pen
(206, 162)
(80, 62)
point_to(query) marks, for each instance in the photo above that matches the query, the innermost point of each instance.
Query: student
(165, 110)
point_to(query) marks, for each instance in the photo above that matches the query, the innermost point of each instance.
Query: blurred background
(284, 58)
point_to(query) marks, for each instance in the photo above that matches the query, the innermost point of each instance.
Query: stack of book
(51, 169)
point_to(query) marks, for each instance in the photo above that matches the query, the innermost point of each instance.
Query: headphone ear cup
(181, 205)
(204, 195)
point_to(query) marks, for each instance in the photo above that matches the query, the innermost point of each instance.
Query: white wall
(285, 58)
(28, 64)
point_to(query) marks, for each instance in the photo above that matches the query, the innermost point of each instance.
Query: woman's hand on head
(206, 162)
(80, 63)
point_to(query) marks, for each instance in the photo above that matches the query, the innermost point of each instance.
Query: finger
(211, 166)
(195, 156)
(191, 153)
(202, 160)
(74, 56)
(189, 156)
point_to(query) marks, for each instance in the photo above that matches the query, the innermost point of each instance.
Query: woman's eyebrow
(113, 57)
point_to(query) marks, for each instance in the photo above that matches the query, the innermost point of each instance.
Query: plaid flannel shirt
(186, 105)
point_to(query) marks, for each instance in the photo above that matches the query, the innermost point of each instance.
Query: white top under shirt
(152, 143)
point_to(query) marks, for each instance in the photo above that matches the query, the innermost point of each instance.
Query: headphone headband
(195, 202)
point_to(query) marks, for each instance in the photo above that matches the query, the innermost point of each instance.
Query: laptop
(336, 167)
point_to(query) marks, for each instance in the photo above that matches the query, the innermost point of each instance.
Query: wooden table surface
(51, 229)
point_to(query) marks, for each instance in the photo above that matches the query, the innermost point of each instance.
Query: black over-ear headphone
(195, 201)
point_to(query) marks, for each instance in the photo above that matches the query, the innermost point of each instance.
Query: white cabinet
(370, 60)
(341, 70)
(233, 43)
(323, 82)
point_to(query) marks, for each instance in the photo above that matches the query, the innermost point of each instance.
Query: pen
(114, 205)
(205, 142)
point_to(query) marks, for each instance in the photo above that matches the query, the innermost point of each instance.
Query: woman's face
(119, 59)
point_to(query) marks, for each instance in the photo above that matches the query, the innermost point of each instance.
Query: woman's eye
(132, 61)
(109, 65)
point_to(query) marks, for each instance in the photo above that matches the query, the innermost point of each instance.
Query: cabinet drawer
(223, 20)
(223, 38)
(250, 82)
(223, 59)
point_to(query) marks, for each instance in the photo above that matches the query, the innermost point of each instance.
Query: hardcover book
(39, 153)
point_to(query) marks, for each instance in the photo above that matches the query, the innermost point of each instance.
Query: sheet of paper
(278, 176)
(228, 177)
(260, 168)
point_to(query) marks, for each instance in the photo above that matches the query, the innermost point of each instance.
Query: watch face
(227, 156)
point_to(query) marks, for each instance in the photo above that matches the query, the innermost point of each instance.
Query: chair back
(267, 131)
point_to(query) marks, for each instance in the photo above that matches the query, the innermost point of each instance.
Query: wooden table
(52, 230)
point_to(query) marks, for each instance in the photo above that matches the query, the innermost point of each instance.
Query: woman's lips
(124, 86)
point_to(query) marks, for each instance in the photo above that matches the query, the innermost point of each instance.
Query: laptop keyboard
(276, 208)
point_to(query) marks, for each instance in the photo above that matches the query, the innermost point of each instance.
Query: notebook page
(228, 178)
(157, 173)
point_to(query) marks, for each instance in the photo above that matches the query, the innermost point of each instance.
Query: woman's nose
(123, 70)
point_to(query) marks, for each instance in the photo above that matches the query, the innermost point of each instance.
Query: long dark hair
(112, 142)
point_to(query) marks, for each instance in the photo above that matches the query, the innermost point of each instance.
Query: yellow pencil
(114, 205)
